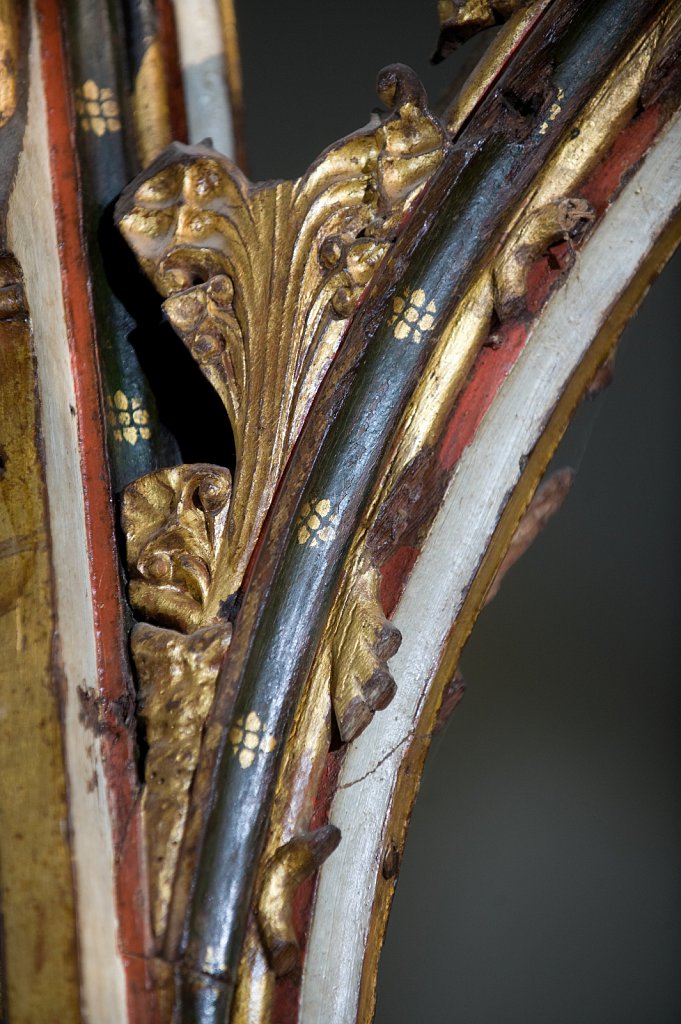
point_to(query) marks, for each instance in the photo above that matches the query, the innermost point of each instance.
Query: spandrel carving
(259, 282)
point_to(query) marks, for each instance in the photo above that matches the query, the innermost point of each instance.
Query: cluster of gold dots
(97, 109)
(411, 316)
(248, 737)
(128, 419)
(316, 523)
(553, 113)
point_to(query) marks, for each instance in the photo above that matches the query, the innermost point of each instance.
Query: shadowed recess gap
(189, 409)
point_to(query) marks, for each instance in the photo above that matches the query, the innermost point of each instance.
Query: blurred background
(541, 880)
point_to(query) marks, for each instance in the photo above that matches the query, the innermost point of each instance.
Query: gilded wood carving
(260, 282)
(242, 268)
(343, 320)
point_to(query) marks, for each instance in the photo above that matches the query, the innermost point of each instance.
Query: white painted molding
(32, 237)
(487, 473)
(202, 57)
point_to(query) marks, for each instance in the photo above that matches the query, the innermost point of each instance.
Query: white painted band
(202, 56)
(487, 473)
(32, 236)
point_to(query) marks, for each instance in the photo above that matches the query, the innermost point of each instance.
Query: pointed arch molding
(398, 337)
(389, 270)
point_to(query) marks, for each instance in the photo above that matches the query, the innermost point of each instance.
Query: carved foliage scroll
(259, 282)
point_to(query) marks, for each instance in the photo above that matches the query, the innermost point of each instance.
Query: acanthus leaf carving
(259, 282)
(177, 676)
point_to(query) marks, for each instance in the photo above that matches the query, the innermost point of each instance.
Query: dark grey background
(541, 880)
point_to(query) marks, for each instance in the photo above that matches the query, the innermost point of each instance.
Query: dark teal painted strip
(489, 169)
(105, 140)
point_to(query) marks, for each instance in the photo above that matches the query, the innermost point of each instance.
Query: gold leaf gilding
(249, 738)
(9, 59)
(260, 279)
(292, 863)
(177, 676)
(360, 641)
(461, 19)
(259, 282)
(150, 105)
(174, 520)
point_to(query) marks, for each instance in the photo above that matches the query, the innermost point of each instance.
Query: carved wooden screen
(216, 674)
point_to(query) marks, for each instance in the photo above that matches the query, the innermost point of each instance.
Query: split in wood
(293, 862)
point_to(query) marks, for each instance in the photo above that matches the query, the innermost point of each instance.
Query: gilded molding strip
(39, 939)
(147, 80)
(235, 83)
(461, 19)
(494, 60)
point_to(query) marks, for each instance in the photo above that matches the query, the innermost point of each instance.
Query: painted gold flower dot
(412, 318)
(316, 523)
(128, 417)
(97, 109)
(248, 737)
